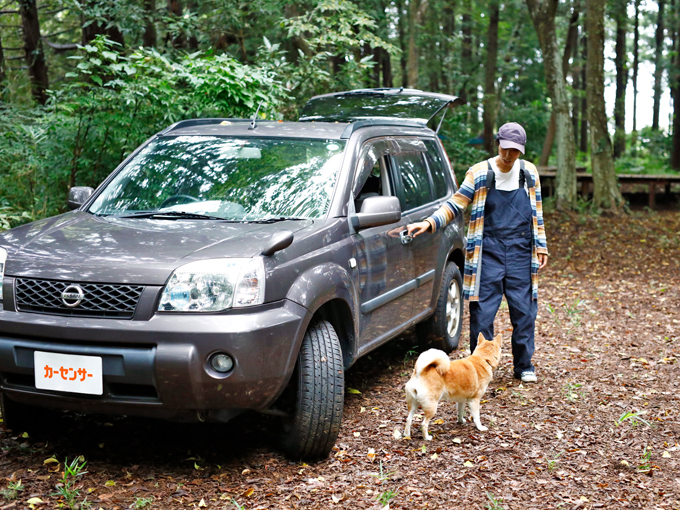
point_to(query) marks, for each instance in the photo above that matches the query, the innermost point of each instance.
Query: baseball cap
(512, 136)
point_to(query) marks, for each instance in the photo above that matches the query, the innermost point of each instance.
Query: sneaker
(528, 376)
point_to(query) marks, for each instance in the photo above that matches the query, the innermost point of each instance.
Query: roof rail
(379, 122)
(198, 122)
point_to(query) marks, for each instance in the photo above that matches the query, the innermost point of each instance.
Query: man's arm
(447, 212)
(541, 242)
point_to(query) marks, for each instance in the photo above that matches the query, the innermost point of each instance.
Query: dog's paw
(428, 438)
(482, 428)
(461, 420)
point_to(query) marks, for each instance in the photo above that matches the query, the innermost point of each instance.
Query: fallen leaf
(457, 440)
(371, 454)
(467, 463)
(34, 501)
(397, 433)
(357, 434)
(110, 483)
(438, 422)
(434, 456)
(51, 460)
(202, 503)
(353, 391)
(248, 493)
(666, 455)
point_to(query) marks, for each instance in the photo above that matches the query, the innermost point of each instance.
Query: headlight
(3, 259)
(214, 285)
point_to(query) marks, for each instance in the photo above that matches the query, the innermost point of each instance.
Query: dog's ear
(499, 338)
(480, 338)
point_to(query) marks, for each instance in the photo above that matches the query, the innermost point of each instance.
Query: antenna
(253, 124)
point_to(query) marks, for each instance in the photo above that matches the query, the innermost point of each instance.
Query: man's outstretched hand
(415, 229)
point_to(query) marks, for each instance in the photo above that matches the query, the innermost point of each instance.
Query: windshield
(226, 178)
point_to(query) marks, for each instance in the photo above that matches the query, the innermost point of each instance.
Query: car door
(385, 265)
(416, 191)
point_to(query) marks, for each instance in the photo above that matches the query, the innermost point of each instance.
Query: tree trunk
(572, 38)
(175, 9)
(606, 192)
(543, 17)
(416, 11)
(658, 64)
(675, 88)
(35, 56)
(584, 99)
(489, 116)
(575, 71)
(621, 16)
(449, 27)
(466, 50)
(4, 96)
(150, 36)
(386, 69)
(95, 28)
(401, 26)
(636, 64)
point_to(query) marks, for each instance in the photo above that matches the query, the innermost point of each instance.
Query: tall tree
(35, 55)
(569, 47)
(3, 75)
(621, 18)
(416, 11)
(636, 66)
(401, 30)
(658, 63)
(583, 137)
(150, 36)
(606, 192)
(489, 115)
(675, 85)
(543, 14)
(466, 49)
(95, 22)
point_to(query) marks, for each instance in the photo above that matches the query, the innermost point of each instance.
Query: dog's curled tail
(433, 358)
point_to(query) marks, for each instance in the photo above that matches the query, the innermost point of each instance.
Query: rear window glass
(437, 169)
(415, 180)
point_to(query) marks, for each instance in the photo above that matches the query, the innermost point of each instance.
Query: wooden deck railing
(654, 183)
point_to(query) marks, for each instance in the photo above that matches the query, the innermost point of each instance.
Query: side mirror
(78, 195)
(377, 211)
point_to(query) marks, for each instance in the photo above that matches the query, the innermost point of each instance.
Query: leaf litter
(600, 429)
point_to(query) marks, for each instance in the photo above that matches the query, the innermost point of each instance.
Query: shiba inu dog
(435, 377)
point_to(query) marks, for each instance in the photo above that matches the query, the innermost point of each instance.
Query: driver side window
(377, 177)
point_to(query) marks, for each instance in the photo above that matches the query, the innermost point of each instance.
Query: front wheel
(442, 330)
(316, 395)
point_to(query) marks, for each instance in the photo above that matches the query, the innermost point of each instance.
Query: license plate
(68, 372)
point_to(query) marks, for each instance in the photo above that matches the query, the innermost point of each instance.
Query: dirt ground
(600, 429)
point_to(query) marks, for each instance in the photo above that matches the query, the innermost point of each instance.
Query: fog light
(221, 363)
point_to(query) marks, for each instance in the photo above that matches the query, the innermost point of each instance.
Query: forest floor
(600, 429)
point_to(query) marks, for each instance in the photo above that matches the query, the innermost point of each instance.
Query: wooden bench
(585, 182)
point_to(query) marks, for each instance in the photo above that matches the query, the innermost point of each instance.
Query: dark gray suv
(230, 265)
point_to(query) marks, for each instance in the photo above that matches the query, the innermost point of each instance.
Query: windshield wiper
(276, 220)
(174, 215)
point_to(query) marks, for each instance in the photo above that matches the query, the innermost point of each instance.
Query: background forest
(83, 82)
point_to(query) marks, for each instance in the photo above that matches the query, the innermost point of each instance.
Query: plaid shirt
(473, 190)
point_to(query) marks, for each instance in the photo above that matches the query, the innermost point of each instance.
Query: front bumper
(158, 367)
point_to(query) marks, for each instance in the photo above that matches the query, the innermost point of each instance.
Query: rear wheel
(442, 330)
(315, 395)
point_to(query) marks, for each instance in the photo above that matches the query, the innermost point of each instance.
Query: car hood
(78, 246)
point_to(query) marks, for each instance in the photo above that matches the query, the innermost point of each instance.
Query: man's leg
(523, 308)
(483, 312)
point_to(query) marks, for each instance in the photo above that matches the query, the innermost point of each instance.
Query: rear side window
(415, 180)
(437, 169)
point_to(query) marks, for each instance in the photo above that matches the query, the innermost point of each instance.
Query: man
(506, 244)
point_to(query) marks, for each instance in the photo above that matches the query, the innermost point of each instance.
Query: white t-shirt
(506, 181)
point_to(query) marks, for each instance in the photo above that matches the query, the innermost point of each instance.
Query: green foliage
(112, 103)
(12, 491)
(634, 419)
(385, 497)
(67, 486)
(141, 503)
(494, 502)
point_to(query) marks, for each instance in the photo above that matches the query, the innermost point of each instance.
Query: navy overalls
(506, 269)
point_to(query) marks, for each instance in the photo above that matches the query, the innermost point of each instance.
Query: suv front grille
(99, 299)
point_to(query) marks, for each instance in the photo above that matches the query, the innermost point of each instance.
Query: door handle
(405, 237)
